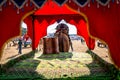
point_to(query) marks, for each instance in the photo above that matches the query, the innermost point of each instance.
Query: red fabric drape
(83, 31)
(10, 22)
(104, 23)
(40, 30)
(29, 23)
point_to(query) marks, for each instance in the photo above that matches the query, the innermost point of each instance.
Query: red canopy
(52, 12)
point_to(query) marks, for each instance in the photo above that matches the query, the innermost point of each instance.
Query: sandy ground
(11, 52)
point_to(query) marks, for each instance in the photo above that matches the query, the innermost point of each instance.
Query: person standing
(20, 46)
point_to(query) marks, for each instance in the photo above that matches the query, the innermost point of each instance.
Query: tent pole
(33, 33)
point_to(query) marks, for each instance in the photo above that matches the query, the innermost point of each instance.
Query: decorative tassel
(89, 5)
(69, 1)
(117, 2)
(0, 8)
(9, 2)
(108, 5)
(18, 11)
(26, 4)
(98, 5)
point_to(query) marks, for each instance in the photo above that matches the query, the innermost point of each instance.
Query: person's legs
(20, 50)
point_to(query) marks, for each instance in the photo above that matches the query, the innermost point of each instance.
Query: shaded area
(24, 69)
(13, 61)
(21, 67)
(111, 70)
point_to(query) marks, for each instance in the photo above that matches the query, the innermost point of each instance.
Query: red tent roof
(52, 8)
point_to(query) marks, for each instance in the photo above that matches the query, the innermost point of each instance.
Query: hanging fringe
(18, 11)
(98, 5)
(117, 1)
(69, 1)
(19, 6)
(81, 5)
(103, 4)
(89, 4)
(0, 8)
(9, 2)
(26, 3)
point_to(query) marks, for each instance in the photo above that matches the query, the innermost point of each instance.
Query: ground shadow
(12, 61)
(103, 70)
(21, 67)
(12, 56)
